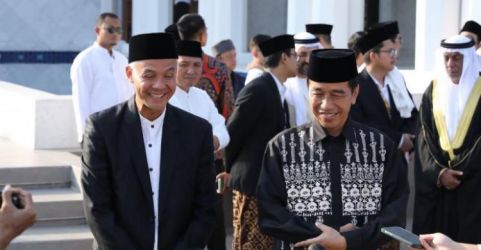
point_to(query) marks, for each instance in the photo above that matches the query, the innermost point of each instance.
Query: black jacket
(370, 110)
(257, 118)
(116, 183)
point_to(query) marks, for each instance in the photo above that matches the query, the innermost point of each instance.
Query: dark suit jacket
(116, 183)
(257, 118)
(370, 110)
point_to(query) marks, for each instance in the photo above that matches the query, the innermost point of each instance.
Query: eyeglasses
(113, 30)
(392, 52)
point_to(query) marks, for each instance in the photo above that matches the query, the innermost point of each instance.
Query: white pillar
(471, 10)
(151, 16)
(435, 20)
(225, 19)
(106, 6)
(346, 15)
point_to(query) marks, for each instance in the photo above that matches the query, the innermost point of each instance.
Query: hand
(330, 239)
(348, 227)
(225, 178)
(450, 179)
(407, 143)
(14, 221)
(440, 241)
(216, 143)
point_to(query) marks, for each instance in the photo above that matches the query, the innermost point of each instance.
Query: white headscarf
(454, 96)
(402, 99)
(307, 40)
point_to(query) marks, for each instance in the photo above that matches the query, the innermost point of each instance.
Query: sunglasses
(391, 52)
(113, 30)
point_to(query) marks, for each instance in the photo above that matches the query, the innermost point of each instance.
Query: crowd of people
(314, 142)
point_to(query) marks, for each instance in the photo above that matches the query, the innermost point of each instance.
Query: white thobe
(98, 82)
(297, 95)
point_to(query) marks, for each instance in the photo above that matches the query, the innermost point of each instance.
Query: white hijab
(400, 94)
(454, 96)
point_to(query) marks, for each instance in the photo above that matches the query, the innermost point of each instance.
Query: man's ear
(128, 73)
(97, 30)
(355, 94)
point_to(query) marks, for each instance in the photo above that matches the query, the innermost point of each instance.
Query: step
(54, 238)
(58, 207)
(36, 177)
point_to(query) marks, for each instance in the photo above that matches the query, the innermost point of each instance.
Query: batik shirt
(308, 176)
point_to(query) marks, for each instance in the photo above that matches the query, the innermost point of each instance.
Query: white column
(106, 6)
(471, 10)
(151, 16)
(297, 15)
(435, 20)
(346, 15)
(225, 19)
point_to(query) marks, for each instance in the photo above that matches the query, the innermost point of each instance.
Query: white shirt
(98, 82)
(198, 102)
(383, 90)
(152, 134)
(297, 95)
(253, 74)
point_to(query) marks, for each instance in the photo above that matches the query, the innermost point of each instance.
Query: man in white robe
(98, 73)
(296, 87)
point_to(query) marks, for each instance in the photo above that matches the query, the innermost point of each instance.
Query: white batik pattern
(361, 180)
(307, 176)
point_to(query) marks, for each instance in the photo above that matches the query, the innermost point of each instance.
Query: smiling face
(331, 103)
(154, 84)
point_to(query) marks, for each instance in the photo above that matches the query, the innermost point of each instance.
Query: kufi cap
(189, 48)
(276, 44)
(319, 28)
(152, 46)
(173, 30)
(474, 27)
(374, 36)
(332, 65)
(457, 42)
(222, 46)
(391, 28)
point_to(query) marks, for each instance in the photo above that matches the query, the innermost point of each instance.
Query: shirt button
(150, 145)
(152, 126)
(151, 169)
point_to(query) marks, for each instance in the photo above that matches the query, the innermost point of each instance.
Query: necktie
(286, 114)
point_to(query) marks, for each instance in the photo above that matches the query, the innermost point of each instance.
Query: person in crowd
(448, 151)
(333, 182)
(323, 32)
(260, 113)
(225, 52)
(256, 67)
(296, 87)
(140, 156)
(384, 102)
(196, 101)
(98, 73)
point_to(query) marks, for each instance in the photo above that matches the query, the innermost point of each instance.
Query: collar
(104, 50)
(158, 121)
(376, 82)
(319, 133)
(180, 91)
(280, 87)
